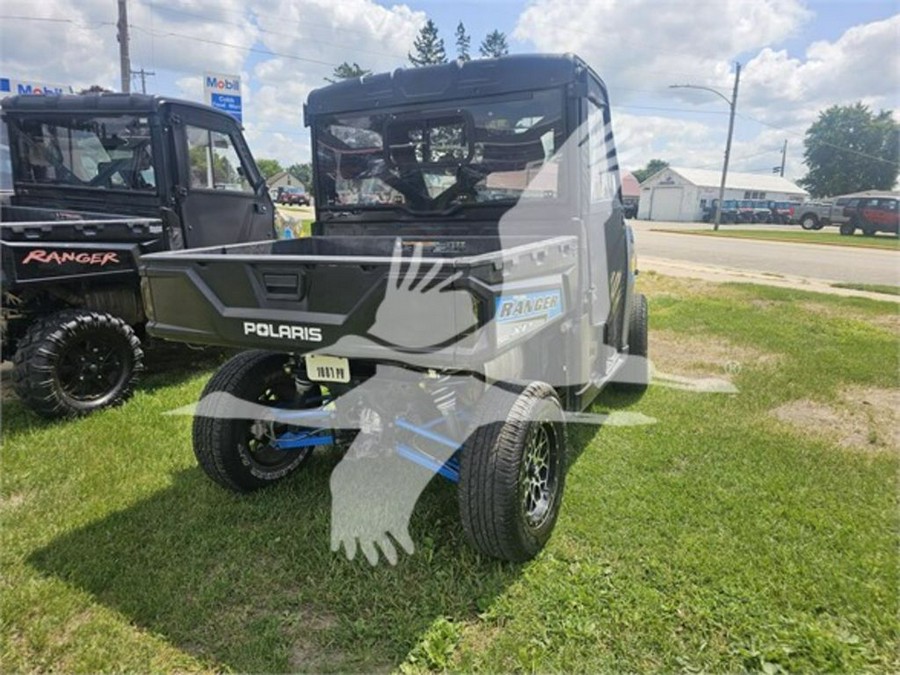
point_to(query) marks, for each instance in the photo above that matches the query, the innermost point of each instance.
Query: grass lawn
(871, 288)
(721, 538)
(880, 240)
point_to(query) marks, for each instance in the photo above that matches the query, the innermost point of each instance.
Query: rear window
(112, 153)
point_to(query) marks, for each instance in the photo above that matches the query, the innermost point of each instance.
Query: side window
(214, 161)
(602, 163)
(842, 202)
(889, 204)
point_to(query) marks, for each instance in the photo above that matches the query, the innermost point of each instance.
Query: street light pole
(732, 104)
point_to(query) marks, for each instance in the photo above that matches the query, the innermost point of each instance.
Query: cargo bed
(307, 294)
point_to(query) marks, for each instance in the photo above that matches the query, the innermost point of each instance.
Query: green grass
(886, 289)
(713, 540)
(883, 241)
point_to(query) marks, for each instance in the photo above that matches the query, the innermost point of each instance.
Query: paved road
(833, 263)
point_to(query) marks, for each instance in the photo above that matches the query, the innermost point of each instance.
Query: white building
(682, 194)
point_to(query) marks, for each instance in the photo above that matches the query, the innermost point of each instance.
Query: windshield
(486, 151)
(100, 152)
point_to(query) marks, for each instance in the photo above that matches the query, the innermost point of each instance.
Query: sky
(798, 57)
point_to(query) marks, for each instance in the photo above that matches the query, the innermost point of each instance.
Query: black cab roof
(106, 102)
(450, 81)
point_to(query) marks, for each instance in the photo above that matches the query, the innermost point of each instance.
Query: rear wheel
(869, 231)
(635, 374)
(241, 454)
(809, 222)
(847, 229)
(74, 362)
(512, 472)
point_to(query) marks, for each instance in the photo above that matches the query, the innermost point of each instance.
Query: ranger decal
(99, 259)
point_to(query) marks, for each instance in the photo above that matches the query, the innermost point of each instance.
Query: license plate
(321, 368)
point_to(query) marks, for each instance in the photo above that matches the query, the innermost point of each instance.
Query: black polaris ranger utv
(470, 250)
(99, 180)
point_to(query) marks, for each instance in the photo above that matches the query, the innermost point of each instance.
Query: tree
(268, 167)
(95, 89)
(303, 173)
(223, 173)
(849, 148)
(494, 45)
(653, 166)
(347, 71)
(463, 40)
(428, 47)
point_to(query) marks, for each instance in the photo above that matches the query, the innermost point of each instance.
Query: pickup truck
(816, 215)
(468, 287)
(97, 181)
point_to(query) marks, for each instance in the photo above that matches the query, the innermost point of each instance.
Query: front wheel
(243, 454)
(513, 471)
(76, 361)
(847, 229)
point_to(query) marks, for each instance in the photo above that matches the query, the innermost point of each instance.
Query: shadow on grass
(165, 364)
(249, 582)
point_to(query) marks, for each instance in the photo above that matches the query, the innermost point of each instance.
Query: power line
(218, 43)
(666, 109)
(92, 26)
(292, 35)
(830, 145)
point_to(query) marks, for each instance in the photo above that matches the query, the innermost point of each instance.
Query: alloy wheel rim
(91, 368)
(537, 477)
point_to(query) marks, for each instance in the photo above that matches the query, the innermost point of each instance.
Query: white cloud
(282, 49)
(863, 64)
(328, 33)
(640, 43)
(641, 46)
(67, 48)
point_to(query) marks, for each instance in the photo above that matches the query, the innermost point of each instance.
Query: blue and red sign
(223, 92)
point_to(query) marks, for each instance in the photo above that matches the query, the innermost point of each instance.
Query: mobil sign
(12, 86)
(223, 92)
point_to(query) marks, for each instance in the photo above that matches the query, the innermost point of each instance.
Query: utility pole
(732, 103)
(143, 75)
(124, 58)
(783, 156)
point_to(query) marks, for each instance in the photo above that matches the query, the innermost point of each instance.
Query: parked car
(98, 181)
(746, 211)
(761, 211)
(782, 212)
(729, 211)
(293, 195)
(876, 213)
